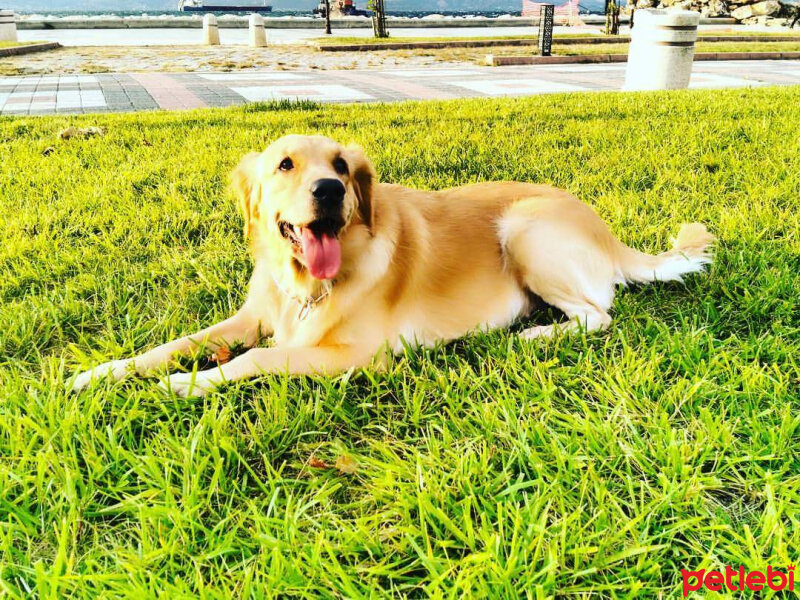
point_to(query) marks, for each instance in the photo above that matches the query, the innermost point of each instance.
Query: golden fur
(417, 267)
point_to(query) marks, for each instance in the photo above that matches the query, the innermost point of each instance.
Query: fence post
(8, 26)
(258, 37)
(210, 30)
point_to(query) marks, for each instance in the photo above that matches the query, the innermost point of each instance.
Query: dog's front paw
(188, 385)
(115, 370)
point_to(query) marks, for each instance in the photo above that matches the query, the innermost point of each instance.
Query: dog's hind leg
(586, 318)
(567, 262)
(564, 252)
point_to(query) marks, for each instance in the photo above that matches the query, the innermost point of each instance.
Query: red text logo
(739, 580)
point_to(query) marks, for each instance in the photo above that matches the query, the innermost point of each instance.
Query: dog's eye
(286, 164)
(340, 165)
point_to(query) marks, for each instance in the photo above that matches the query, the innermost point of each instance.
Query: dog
(347, 269)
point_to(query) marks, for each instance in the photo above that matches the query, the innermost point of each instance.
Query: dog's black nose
(328, 190)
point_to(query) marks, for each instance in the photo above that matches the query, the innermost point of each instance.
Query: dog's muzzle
(328, 197)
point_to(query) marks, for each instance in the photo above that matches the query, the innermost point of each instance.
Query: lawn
(581, 49)
(494, 467)
(334, 41)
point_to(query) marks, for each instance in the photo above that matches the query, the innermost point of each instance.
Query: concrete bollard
(662, 50)
(8, 26)
(258, 37)
(210, 30)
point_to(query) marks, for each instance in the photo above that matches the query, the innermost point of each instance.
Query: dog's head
(301, 196)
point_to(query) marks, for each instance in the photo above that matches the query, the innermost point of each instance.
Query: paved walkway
(51, 94)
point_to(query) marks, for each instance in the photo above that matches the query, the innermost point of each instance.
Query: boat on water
(201, 6)
(342, 8)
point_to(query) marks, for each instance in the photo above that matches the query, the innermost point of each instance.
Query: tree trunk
(379, 18)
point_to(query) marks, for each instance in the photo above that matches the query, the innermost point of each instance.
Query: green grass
(788, 33)
(599, 464)
(336, 41)
(592, 49)
(15, 44)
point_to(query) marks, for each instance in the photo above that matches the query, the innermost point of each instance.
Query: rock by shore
(750, 12)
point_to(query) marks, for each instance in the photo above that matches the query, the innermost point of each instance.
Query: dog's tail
(691, 251)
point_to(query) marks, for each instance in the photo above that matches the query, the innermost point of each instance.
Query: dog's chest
(302, 323)
(292, 323)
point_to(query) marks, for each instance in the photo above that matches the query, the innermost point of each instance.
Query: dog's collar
(307, 304)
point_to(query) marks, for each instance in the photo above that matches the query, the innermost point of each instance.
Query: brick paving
(57, 94)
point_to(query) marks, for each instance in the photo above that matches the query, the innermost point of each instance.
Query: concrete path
(50, 94)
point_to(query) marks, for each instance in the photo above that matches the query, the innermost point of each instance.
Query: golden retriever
(346, 267)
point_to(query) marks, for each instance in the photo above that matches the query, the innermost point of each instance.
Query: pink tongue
(323, 254)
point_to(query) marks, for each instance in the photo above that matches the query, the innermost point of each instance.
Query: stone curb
(503, 61)
(565, 41)
(28, 48)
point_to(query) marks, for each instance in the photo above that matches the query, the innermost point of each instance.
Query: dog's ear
(246, 188)
(363, 175)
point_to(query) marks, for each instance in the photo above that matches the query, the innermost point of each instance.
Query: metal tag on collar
(305, 309)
